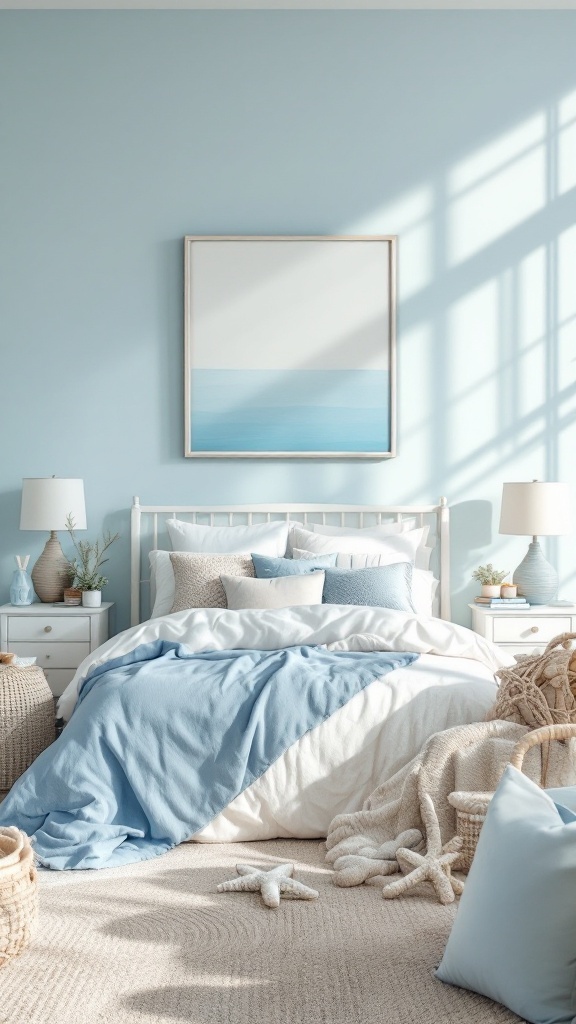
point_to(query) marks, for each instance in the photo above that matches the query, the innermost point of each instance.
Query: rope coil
(540, 689)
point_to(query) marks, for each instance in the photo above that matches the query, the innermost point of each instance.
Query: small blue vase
(21, 590)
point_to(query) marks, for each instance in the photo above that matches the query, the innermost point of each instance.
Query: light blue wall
(122, 131)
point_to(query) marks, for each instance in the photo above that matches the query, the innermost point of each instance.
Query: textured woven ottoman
(26, 720)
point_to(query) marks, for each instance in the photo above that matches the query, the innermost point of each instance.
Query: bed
(264, 719)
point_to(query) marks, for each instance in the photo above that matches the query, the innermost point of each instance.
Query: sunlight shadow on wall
(487, 322)
(496, 188)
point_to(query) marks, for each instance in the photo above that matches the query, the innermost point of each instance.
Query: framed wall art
(290, 346)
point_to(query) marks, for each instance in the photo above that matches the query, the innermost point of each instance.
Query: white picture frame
(290, 346)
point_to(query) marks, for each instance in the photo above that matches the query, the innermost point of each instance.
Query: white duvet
(335, 767)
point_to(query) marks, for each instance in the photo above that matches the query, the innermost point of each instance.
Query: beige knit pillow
(197, 578)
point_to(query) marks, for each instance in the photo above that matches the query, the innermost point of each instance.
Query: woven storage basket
(26, 720)
(471, 808)
(470, 814)
(18, 893)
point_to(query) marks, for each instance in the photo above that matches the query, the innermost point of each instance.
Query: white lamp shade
(48, 501)
(536, 509)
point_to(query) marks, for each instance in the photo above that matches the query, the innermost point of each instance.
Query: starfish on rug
(435, 866)
(272, 884)
(361, 862)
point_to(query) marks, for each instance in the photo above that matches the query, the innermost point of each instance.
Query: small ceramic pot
(91, 598)
(72, 596)
(490, 590)
(508, 590)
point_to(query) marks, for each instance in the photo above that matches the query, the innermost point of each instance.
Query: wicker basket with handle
(470, 814)
(18, 893)
(471, 808)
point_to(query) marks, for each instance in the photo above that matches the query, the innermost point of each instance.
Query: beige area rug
(155, 944)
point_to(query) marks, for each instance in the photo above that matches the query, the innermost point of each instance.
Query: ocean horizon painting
(267, 410)
(289, 347)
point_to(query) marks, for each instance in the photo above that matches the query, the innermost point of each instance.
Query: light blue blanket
(162, 740)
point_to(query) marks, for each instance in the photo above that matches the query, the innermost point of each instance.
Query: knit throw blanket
(466, 758)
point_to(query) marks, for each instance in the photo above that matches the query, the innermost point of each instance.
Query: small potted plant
(490, 578)
(87, 564)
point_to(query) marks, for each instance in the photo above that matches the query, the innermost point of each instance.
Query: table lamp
(536, 509)
(46, 504)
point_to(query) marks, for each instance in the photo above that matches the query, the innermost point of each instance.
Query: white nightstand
(59, 636)
(523, 632)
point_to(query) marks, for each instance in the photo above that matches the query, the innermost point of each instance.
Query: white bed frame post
(444, 532)
(301, 513)
(135, 559)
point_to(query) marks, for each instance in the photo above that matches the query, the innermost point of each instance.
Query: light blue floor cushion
(514, 938)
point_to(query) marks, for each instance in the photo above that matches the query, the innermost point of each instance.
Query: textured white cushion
(263, 538)
(399, 547)
(162, 584)
(197, 578)
(277, 592)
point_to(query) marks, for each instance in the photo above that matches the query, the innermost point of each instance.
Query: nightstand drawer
(530, 649)
(529, 628)
(48, 628)
(58, 679)
(53, 655)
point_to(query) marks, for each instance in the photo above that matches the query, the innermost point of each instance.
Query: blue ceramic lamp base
(537, 580)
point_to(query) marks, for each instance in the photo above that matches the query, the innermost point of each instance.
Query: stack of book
(511, 603)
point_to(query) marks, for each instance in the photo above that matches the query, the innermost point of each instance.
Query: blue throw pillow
(382, 586)
(265, 567)
(514, 937)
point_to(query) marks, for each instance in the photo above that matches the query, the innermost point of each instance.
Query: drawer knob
(47, 629)
(533, 629)
(47, 656)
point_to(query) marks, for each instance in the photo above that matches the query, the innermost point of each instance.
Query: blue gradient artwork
(289, 411)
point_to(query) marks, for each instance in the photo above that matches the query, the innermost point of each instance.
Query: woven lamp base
(26, 720)
(52, 572)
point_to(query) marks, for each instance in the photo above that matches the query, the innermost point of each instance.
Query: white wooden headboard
(148, 533)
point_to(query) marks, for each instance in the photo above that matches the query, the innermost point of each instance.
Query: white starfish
(272, 884)
(434, 866)
(368, 863)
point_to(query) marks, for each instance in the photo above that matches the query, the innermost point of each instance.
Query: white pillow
(399, 547)
(162, 584)
(422, 557)
(277, 592)
(424, 583)
(424, 587)
(384, 530)
(263, 538)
